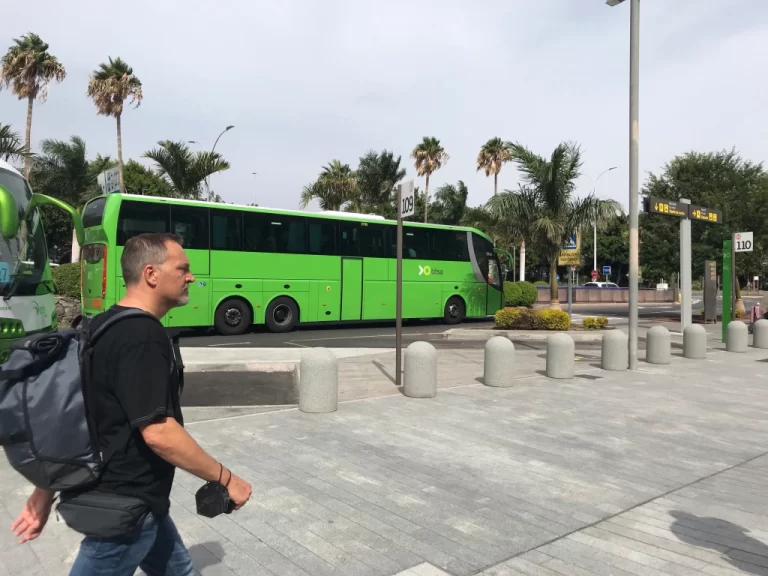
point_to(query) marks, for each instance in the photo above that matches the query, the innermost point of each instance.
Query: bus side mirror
(9, 215)
(42, 199)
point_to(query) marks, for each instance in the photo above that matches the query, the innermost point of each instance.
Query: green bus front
(256, 266)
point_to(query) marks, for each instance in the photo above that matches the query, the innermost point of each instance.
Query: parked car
(600, 285)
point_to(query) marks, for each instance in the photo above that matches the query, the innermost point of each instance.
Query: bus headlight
(11, 328)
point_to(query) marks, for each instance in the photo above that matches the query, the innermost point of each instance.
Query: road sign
(407, 199)
(703, 214)
(570, 253)
(606, 270)
(743, 242)
(595, 274)
(109, 180)
(668, 207)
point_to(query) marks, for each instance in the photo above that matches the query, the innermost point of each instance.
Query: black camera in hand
(213, 498)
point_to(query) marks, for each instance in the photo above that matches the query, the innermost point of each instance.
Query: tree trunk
(426, 201)
(120, 154)
(522, 261)
(28, 143)
(554, 292)
(495, 183)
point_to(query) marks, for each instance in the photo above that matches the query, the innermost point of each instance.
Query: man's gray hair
(143, 250)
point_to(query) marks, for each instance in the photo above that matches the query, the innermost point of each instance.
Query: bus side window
(192, 225)
(139, 217)
(227, 230)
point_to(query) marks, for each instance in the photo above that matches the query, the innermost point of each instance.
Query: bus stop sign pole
(406, 206)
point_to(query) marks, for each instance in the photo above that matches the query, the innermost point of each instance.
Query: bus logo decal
(425, 270)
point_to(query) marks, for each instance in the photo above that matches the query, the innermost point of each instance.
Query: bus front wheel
(454, 310)
(233, 317)
(282, 315)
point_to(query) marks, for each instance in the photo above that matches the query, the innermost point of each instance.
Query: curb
(197, 367)
(531, 336)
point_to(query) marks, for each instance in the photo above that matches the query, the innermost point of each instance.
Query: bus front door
(351, 288)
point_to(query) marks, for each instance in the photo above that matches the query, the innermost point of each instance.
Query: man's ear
(150, 275)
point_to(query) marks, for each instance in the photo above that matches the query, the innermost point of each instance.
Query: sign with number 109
(407, 199)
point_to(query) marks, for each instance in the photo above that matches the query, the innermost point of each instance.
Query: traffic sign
(743, 242)
(407, 199)
(595, 274)
(606, 270)
(109, 180)
(570, 253)
(705, 214)
(668, 207)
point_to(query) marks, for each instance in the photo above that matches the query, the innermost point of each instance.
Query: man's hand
(239, 491)
(30, 523)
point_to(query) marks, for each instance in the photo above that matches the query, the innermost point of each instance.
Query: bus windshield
(23, 258)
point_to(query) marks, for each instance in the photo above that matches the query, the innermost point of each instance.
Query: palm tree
(10, 144)
(110, 86)
(185, 169)
(428, 157)
(335, 188)
(62, 170)
(377, 175)
(27, 68)
(546, 202)
(493, 155)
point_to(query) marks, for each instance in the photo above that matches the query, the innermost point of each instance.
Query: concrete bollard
(318, 381)
(560, 357)
(737, 337)
(420, 371)
(658, 346)
(499, 365)
(614, 354)
(760, 334)
(695, 342)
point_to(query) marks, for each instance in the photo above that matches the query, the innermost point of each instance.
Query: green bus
(283, 267)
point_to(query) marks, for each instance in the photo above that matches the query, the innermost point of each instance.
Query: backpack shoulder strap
(122, 315)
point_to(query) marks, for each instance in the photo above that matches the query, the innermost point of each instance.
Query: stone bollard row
(737, 337)
(695, 342)
(420, 370)
(499, 363)
(318, 381)
(560, 357)
(614, 352)
(760, 334)
(658, 346)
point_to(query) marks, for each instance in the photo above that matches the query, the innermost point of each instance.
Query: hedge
(591, 323)
(66, 279)
(525, 319)
(519, 294)
(540, 283)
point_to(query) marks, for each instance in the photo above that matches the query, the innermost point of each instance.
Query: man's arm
(169, 440)
(30, 523)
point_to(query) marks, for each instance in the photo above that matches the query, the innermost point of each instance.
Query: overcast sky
(307, 81)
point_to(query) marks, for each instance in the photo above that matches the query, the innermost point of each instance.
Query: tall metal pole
(686, 271)
(207, 187)
(399, 289)
(634, 192)
(594, 223)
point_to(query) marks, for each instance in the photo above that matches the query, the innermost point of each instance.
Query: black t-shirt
(134, 381)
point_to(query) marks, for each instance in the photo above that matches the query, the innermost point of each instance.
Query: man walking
(134, 387)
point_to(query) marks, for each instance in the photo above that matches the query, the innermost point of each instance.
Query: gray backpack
(46, 428)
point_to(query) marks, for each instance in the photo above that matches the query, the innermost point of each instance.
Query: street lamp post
(634, 107)
(207, 187)
(594, 188)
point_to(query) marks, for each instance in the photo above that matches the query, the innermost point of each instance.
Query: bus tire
(455, 310)
(282, 315)
(233, 317)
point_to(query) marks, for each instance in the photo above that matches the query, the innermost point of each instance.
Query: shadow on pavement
(205, 555)
(239, 389)
(748, 554)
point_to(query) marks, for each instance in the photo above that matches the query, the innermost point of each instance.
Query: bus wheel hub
(233, 317)
(282, 314)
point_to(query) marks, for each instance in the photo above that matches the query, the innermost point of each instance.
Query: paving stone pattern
(660, 471)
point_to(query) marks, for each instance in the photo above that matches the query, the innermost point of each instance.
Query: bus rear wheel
(233, 317)
(454, 310)
(282, 315)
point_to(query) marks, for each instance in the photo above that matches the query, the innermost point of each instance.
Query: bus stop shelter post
(399, 290)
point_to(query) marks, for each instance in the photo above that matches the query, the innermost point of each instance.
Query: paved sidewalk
(658, 471)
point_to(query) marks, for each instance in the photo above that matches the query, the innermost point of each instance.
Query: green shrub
(528, 293)
(589, 323)
(525, 319)
(738, 313)
(512, 294)
(540, 283)
(66, 279)
(551, 320)
(602, 322)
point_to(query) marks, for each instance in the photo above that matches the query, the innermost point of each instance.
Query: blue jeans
(157, 549)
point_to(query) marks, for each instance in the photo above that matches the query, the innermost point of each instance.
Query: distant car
(600, 285)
